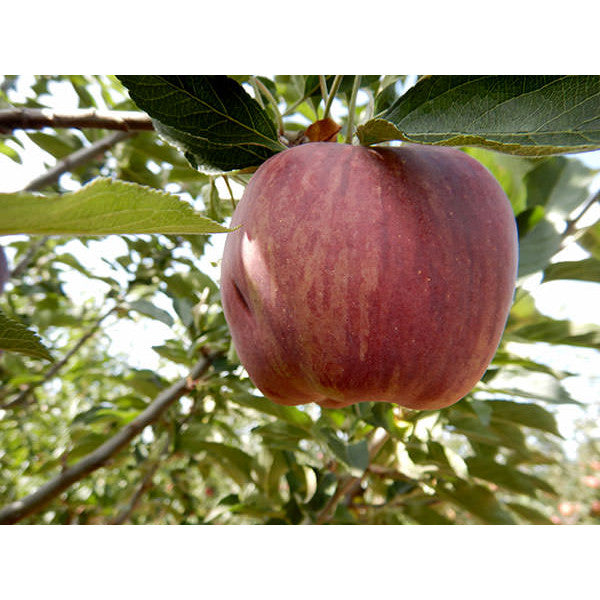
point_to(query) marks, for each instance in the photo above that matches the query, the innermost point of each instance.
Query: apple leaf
(515, 114)
(102, 207)
(506, 476)
(582, 270)
(530, 415)
(15, 337)
(479, 501)
(210, 118)
(529, 514)
(147, 308)
(590, 240)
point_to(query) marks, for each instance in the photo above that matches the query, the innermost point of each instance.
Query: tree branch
(571, 226)
(349, 484)
(75, 159)
(36, 118)
(142, 489)
(20, 509)
(56, 367)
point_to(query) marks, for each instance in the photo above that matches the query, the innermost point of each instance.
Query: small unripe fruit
(369, 274)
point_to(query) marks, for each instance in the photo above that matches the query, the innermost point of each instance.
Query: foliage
(220, 452)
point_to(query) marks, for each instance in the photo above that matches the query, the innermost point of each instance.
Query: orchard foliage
(121, 237)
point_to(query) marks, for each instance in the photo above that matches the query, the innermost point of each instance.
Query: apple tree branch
(15, 511)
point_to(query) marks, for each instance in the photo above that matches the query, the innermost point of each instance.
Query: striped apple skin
(369, 274)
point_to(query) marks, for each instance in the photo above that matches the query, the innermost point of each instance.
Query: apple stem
(226, 180)
(324, 94)
(263, 88)
(334, 88)
(351, 109)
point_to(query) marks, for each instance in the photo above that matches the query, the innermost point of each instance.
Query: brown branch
(24, 262)
(570, 228)
(36, 118)
(56, 367)
(142, 489)
(349, 484)
(20, 509)
(76, 159)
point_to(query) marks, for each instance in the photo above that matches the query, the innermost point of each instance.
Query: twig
(24, 262)
(94, 460)
(332, 92)
(263, 88)
(351, 109)
(135, 499)
(572, 224)
(349, 484)
(56, 367)
(36, 118)
(76, 159)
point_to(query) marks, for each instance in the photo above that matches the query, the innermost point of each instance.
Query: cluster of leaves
(223, 453)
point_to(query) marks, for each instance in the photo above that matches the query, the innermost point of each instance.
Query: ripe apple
(369, 274)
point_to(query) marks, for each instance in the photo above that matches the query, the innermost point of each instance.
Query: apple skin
(369, 274)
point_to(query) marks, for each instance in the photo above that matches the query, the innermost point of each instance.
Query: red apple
(369, 274)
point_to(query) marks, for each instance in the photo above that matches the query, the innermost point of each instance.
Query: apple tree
(123, 398)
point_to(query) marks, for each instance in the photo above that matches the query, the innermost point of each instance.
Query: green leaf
(15, 337)
(509, 171)
(559, 184)
(558, 332)
(590, 240)
(58, 144)
(507, 477)
(355, 456)
(537, 247)
(479, 501)
(102, 207)
(147, 308)
(10, 153)
(515, 114)
(209, 117)
(235, 462)
(529, 514)
(530, 415)
(581, 270)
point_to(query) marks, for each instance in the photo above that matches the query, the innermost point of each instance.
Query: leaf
(559, 184)
(102, 207)
(526, 115)
(235, 462)
(530, 415)
(558, 332)
(506, 476)
(581, 270)
(529, 514)
(590, 240)
(58, 144)
(479, 501)
(209, 117)
(537, 247)
(355, 456)
(509, 171)
(147, 308)
(15, 337)
(10, 153)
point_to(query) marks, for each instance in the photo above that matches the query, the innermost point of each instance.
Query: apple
(369, 274)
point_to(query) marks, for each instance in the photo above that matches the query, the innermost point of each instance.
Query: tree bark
(20, 509)
(38, 118)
